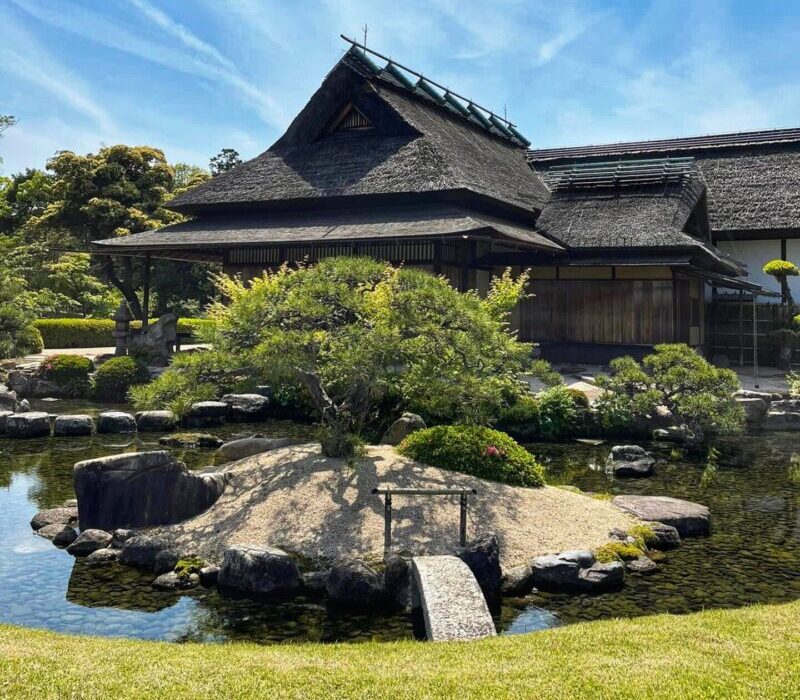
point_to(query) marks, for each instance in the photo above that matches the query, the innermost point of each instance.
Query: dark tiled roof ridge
(689, 143)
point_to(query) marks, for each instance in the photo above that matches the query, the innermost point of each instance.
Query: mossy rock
(191, 441)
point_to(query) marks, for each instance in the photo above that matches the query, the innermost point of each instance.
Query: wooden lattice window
(349, 119)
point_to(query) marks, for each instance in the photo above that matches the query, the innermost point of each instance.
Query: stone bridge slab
(452, 603)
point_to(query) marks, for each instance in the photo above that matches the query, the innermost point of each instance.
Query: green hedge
(96, 332)
(476, 450)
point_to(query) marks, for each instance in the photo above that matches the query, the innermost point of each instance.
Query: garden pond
(752, 556)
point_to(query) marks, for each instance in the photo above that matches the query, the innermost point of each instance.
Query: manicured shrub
(520, 415)
(29, 340)
(476, 450)
(192, 377)
(558, 412)
(116, 376)
(698, 394)
(99, 332)
(69, 372)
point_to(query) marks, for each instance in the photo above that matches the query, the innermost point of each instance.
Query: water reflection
(753, 554)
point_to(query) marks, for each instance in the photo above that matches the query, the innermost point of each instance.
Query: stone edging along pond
(267, 572)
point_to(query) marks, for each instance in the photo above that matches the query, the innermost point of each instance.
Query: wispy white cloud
(573, 27)
(24, 58)
(181, 33)
(99, 28)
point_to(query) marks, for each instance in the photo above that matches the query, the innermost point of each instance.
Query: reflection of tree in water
(298, 619)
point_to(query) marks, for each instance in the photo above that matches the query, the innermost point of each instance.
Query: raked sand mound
(323, 508)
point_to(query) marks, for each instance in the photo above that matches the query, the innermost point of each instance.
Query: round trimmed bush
(69, 372)
(115, 376)
(780, 268)
(475, 450)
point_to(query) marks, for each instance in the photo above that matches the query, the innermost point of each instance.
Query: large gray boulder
(59, 534)
(517, 581)
(257, 570)
(765, 396)
(561, 572)
(116, 422)
(54, 516)
(789, 405)
(754, 410)
(781, 421)
(142, 551)
(403, 426)
(482, 556)
(102, 557)
(206, 413)
(33, 424)
(89, 541)
(688, 518)
(73, 426)
(246, 407)
(8, 399)
(3, 417)
(140, 489)
(354, 584)
(398, 581)
(156, 421)
(629, 461)
(246, 447)
(600, 577)
(666, 536)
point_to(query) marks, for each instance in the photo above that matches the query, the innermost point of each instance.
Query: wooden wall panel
(636, 312)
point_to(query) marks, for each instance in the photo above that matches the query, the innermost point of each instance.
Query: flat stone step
(452, 602)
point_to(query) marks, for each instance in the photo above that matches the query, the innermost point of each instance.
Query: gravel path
(322, 508)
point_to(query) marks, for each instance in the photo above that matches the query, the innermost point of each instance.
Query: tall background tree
(225, 160)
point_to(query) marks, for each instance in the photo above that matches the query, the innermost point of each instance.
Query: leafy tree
(71, 276)
(699, 395)
(187, 176)
(116, 192)
(353, 331)
(225, 160)
(6, 122)
(17, 336)
(781, 270)
(785, 334)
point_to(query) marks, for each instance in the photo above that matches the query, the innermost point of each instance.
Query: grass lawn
(747, 653)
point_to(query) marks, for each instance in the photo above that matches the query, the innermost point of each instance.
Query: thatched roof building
(382, 161)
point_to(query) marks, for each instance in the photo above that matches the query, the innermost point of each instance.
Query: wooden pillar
(146, 293)
(741, 328)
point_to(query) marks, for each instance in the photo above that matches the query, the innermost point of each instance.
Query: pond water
(752, 556)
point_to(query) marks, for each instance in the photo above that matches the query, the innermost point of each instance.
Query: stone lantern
(122, 328)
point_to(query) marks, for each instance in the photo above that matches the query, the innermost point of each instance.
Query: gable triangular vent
(349, 119)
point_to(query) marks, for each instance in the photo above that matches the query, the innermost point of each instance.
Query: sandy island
(322, 508)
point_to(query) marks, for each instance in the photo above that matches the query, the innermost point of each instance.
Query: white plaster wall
(754, 254)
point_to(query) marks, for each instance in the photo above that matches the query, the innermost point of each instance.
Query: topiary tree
(352, 331)
(786, 334)
(781, 270)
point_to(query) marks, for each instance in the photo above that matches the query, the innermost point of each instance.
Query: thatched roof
(226, 231)
(752, 178)
(412, 146)
(590, 210)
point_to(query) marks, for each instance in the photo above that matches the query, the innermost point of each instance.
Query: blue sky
(194, 76)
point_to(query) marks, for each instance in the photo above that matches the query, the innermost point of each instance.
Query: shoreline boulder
(156, 421)
(629, 461)
(54, 516)
(354, 584)
(73, 425)
(89, 541)
(261, 571)
(141, 489)
(243, 408)
(206, 413)
(405, 425)
(33, 424)
(246, 447)
(688, 518)
(111, 422)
